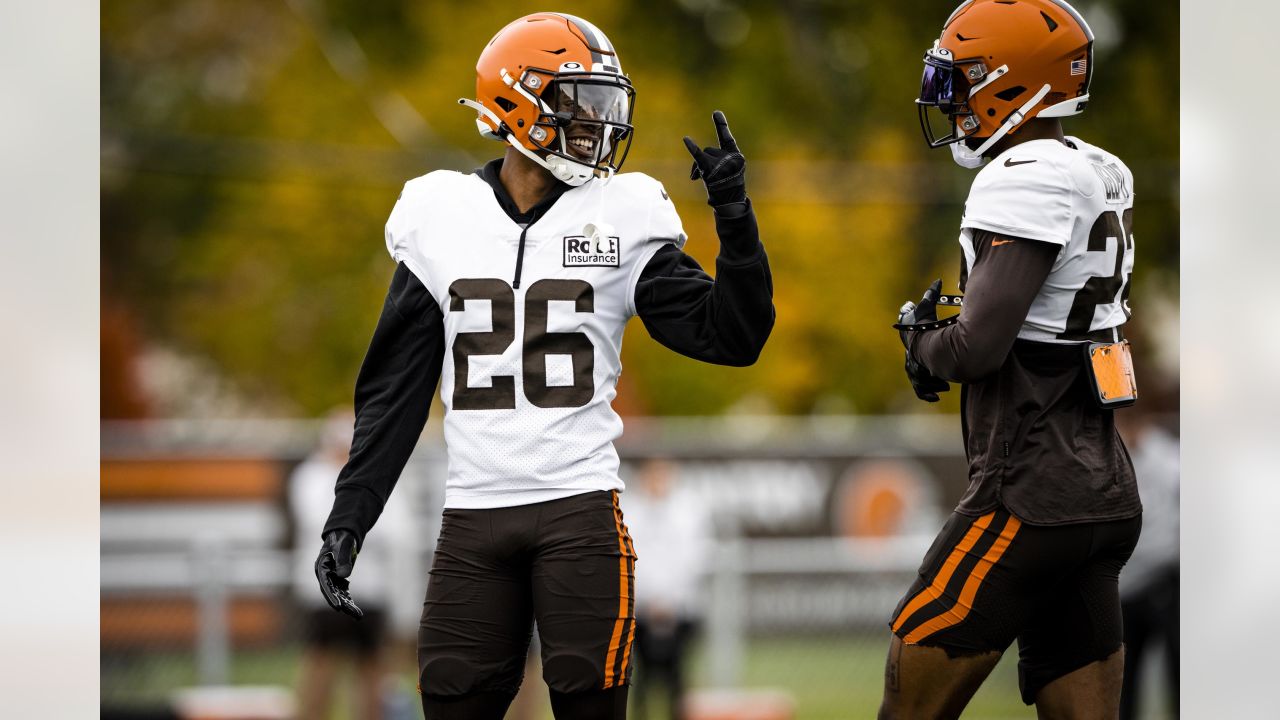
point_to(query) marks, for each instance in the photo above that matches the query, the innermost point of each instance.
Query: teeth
(584, 143)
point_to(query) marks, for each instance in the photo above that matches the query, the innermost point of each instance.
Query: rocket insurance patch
(582, 251)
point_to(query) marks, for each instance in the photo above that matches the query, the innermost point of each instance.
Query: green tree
(252, 150)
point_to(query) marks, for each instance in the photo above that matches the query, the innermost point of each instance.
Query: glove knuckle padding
(728, 180)
(715, 169)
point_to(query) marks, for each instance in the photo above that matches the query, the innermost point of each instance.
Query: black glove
(925, 384)
(723, 169)
(333, 567)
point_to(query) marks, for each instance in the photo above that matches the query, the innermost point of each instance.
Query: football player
(512, 288)
(1051, 514)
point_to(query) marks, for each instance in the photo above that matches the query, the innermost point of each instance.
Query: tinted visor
(936, 85)
(594, 100)
(944, 93)
(591, 116)
(942, 84)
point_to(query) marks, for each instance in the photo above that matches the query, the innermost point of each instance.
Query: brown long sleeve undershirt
(1006, 276)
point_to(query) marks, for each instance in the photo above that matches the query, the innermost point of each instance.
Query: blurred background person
(1149, 582)
(332, 639)
(672, 535)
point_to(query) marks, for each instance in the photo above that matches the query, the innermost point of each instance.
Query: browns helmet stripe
(597, 42)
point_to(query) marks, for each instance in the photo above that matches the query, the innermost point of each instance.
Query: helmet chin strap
(600, 231)
(973, 159)
(566, 171)
(570, 173)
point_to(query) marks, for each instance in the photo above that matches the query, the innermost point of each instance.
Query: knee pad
(573, 673)
(608, 704)
(447, 677)
(451, 675)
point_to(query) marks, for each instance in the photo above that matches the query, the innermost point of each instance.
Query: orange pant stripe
(934, 591)
(624, 593)
(960, 610)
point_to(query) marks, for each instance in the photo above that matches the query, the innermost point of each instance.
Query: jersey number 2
(538, 344)
(1102, 290)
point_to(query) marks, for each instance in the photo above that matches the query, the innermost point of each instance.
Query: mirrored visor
(942, 85)
(943, 107)
(594, 100)
(935, 86)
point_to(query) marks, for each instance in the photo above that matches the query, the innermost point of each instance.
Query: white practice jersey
(530, 371)
(1080, 199)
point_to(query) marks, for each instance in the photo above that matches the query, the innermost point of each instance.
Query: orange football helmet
(551, 86)
(1000, 63)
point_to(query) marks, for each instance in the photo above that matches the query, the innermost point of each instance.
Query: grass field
(840, 678)
(830, 678)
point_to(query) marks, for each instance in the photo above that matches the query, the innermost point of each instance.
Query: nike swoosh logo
(1001, 242)
(1010, 162)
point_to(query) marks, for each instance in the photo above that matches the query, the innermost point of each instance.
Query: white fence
(770, 476)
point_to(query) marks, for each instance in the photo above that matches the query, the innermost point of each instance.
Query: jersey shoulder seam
(1014, 231)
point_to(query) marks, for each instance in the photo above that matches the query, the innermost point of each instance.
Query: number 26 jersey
(533, 320)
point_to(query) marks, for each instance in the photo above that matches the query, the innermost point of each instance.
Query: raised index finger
(931, 295)
(722, 132)
(692, 147)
